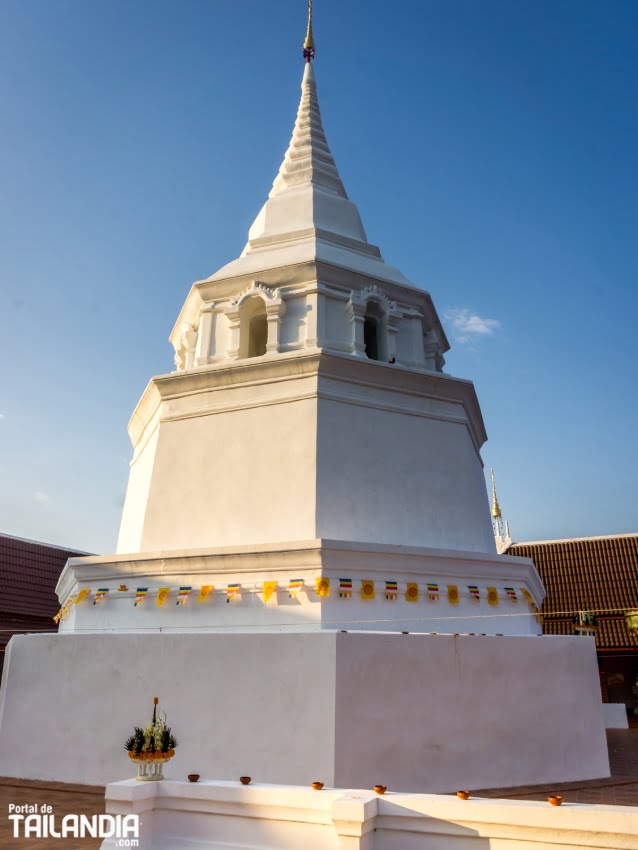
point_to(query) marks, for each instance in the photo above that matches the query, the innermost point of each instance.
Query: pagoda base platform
(417, 712)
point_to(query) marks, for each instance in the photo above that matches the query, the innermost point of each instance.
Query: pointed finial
(308, 46)
(496, 510)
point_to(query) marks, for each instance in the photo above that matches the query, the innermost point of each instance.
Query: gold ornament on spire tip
(308, 47)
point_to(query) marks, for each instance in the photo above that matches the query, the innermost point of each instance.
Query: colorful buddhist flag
(231, 591)
(492, 596)
(391, 590)
(452, 594)
(82, 595)
(269, 587)
(64, 610)
(294, 586)
(528, 596)
(412, 592)
(433, 592)
(139, 595)
(183, 594)
(322, 586)
(511, 594)
(162, 596)
(474, 591)
(100, 595)
(367, 589)
(345, 588)
(204, 591)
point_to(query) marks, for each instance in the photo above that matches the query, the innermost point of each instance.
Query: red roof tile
(19, 624)
(595, 574)
(29, 572)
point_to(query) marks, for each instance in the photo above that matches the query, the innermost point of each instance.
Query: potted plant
(151, 747)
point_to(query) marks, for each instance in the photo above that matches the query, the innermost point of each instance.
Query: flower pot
(245, 780)
(463, 795)
(555, 800)
(317, 786)
(193, 777)
(380, 789)
(149, 765)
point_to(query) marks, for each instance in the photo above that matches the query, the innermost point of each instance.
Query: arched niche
(375, 332)
(253, 328)
(375, 323)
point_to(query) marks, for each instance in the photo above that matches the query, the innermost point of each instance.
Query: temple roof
(29, 572)
(594, 574)
(308, 215)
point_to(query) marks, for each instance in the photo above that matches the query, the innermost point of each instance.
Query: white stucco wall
(417, 712)
(235, 476)
(475, 712)
(210, 815)
(391, 470)
(251, 566)
(303, 446)
(261, 705)
(615, 715)
(137, 493)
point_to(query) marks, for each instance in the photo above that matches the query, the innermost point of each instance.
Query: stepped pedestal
(415, 712)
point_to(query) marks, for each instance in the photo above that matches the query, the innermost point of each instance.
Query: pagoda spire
(501, 528)
(308, 195)
(308, 158)
(308, 47)
(496, 509)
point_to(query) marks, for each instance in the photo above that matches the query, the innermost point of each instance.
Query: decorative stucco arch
(374, 322)
(255, 321)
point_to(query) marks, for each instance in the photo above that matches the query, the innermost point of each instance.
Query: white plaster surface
(398, 477)
(416, 712)
(251, 566)
(301, 447)
(615, 714)
(214, 815)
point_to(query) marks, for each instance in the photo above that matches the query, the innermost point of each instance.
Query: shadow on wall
(398, 825)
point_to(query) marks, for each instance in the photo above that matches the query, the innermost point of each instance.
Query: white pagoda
(306, 569)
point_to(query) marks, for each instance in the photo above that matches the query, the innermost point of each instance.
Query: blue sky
(490, 147)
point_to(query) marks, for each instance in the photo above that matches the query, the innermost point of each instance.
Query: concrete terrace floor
(65, 799)
(621, 789)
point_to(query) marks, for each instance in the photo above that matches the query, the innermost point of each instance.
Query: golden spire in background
(308, 46)
(496, 510)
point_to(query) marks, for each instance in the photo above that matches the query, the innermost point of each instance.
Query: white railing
(215, 815)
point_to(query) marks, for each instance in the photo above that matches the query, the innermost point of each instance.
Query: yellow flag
(162, 595)
(204, 590)
(412, 592)
(367, 589)
(268, 589)
(528, 596)
(323, 586)
(58, 616)
(452, 594)
(82, 595)
(492, 596)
